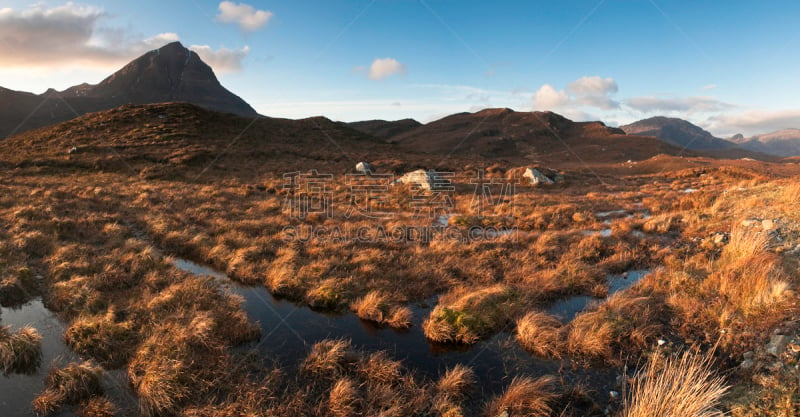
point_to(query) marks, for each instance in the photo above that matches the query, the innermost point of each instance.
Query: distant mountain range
(173, 74)
(678, 132)
(170, 73)
(783, 143)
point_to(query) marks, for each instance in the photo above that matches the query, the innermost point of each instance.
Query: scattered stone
(747, 364)
(767, 225)
(720, 238)
(72, 150)
(536, 177)
(748, 355)
(614, 395)
(778, 344)
(364, 168)
(662, 342)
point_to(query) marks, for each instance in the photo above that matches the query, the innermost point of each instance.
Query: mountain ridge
(167, 74)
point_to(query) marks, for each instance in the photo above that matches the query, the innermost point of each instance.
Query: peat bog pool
(17, 391)
(289, 330)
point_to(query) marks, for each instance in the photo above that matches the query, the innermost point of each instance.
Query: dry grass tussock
(68, 386)
(675, 386)
(624, 322)
(20, 352)
(525, 396)
(376, 307)
(541, 334)
(468, 314)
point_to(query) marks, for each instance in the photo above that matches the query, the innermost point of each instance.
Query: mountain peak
(172, 46)
(678, 132)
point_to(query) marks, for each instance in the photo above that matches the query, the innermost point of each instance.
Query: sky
(728, 66)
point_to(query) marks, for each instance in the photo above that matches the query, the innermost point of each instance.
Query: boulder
(364, 168)
(778, 344)
(536, 177)
(421, 178)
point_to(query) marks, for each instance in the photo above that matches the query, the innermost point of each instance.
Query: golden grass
(330, 358)
(457, 382)
(344, 399)
(68, 386)
(97, 407)
(541, 334)
(623, 321)
(678, 386)
(376, 306)
(20, 352)
(525, 396)
(466, 315)
(108, 341)
(379, 368)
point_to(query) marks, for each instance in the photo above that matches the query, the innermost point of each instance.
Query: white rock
(536, 177)
(364, 168)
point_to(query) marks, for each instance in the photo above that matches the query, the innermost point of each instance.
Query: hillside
(529, 136)
(783, 143)
(383, 129)
(678, 132)
(168, 74)
(181, 138)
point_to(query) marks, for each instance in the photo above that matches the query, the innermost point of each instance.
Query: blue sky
(729, 66)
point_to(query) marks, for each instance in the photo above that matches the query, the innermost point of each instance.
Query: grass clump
(108, 341)
(376, 307)
(68, 386)
(682, 386)
(97, 407)
(465, 316)
(344, 399)
(525, 396)
(330, 358)
(457, 382)
(540, 334)
(20, 352)
(623, 322)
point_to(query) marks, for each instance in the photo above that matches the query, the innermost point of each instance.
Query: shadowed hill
(168, 74)
(678, 132)
(784, 143)
(383, 129)
(524, 136)
(173, 137)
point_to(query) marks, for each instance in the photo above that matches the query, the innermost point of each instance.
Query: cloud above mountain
(688, 105)
(75, 35)
(222, 60)
(594, 92)
(246, 16)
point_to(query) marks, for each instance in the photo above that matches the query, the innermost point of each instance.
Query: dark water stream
(289, 330)
(18, 391)
(568, 308)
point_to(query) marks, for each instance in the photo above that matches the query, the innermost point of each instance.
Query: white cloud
(593, 86)
(547, 97)
(593, 92)
(383, 68)
(246, 16)
(73, 36)
(753, 122)
(709, 87)
(688, 105)
(223, 60)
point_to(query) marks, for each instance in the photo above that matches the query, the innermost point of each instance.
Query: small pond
(289, 330)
